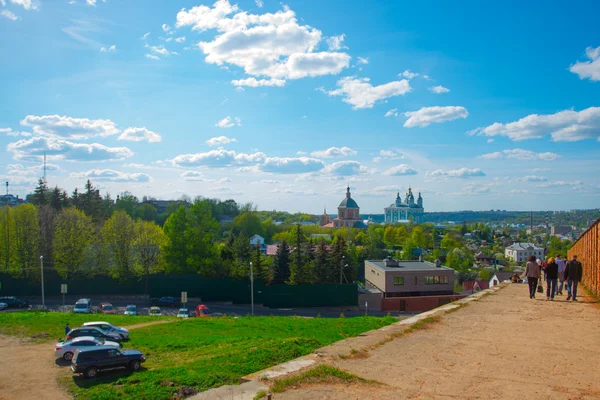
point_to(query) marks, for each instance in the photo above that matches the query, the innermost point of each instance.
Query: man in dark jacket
(573, 274)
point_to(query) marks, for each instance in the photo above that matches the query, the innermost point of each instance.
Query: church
(404, 211)
(348, 215)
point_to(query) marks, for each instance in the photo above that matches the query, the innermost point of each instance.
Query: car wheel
(68, 356)
(122, 336)
(134, 365)
(91, 372)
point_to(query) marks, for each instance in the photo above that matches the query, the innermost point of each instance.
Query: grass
(203, 353)
(458, 307)
(320, 374)
(355, 355)
(43, 326)
(422, 324)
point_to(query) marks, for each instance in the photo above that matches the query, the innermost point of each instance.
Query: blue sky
(285, 104)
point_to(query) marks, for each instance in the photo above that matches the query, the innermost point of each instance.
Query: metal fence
(208, 289)
(587, 249)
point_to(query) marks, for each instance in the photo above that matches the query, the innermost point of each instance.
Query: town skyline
(284, 106)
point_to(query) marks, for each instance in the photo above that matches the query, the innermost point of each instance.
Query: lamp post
(252, 288)
(42, 273)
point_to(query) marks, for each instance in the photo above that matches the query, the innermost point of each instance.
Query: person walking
(573, 275)
(551, 277)
(532, 272)
(562, 264)
(67, 329)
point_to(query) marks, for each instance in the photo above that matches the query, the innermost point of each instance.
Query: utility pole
(252, 288)
(42, 272)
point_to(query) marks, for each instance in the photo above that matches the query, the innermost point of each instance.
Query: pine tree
(56, 199)
(76, 199)
(297, 267)
(282, 263)
(40, 194)
(259, 265)
(337, 260)
(321, 264)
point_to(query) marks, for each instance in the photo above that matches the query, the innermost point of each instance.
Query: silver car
(66, 349)
(105, 326)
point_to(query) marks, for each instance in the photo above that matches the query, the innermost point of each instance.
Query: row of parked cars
(97, 346)
(12, 302)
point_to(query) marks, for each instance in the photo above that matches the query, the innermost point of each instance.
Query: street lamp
(252, 287)
(42, 273)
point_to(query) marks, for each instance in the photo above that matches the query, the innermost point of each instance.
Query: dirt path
(138, 326)
(504, 346)
(28, 371)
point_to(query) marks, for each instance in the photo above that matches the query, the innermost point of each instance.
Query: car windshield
(183, 311)
(81, 305)
(130, 308)
(107, 307)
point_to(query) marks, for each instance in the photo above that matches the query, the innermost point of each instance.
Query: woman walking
(551, 278)
(532, 272)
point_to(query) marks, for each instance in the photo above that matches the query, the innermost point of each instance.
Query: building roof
(348, 202)
(524, 246)
(407, 265)
(503, 276)
(257, 236)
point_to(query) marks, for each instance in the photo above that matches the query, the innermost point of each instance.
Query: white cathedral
(404, 211)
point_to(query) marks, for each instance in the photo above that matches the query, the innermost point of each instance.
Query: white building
(400, 212)
(520, 252)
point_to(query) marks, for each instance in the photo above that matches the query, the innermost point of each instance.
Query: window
(114, 353)
(435, 280)
(398, 280)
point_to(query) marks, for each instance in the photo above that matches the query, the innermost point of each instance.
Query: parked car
(83, 306)
(67, 348)
(183, 313)
(131, 310)
(3, 306)
(105, 326)
(95, 332)
(155, 312)
(106, 308)
(165, 302)
(13, 302)
(89, 361)
(203, 311)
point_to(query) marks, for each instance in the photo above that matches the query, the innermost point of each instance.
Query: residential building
(499, 277)
(10, 200)
(257, 240)
(520, 252)
(483, 258)
(560, 230)
(402, 212)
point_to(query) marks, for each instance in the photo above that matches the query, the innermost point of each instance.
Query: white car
(3, 306)
(131, 310)
(183, 313)
(66, 349)
(105, 326)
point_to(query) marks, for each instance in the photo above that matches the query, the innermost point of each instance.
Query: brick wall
(587, 249)
(417, 304)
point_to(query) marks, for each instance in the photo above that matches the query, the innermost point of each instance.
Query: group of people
(557, 273)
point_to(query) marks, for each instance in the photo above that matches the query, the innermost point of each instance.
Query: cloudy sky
(285, 104)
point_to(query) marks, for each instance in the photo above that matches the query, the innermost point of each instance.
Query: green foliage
(282, 264)
(248, 224)
(149, 240)
(26, 239)
(73, 232)
(118, 235)
(319, 374)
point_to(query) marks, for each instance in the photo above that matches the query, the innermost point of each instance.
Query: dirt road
(503, 346)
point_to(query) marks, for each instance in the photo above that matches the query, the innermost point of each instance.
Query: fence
(208, 289)
(587, 249)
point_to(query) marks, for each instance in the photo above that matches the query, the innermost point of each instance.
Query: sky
(284, 104)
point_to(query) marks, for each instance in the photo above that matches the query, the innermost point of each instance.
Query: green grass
(458, 307)
(204, 353)
(320, 374)
(42, 326)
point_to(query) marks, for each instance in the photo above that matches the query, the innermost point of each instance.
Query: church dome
(348, 202)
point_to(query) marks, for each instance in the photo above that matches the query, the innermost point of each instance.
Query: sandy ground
(503, 346)
(30, 371)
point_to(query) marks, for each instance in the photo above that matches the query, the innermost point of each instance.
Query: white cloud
(161, 50)
(259, 3)
(91, 3)
(520, 154)
(336, 43)
(68, 127)
(388, 155)
(36, 170)
(401, 170)
(588, 69)
(361, 94)
(292, 165)
(534, 178)
(166, 28)
(152, 57)
(490, 140)
(438, 89)
(193, 176)
(346, 168)
(392, 113)
(228, 122)
(111, 49)
(408, 74)
(430, 115)
(253, 82)
(218, 158)
(180, 39)
(563, 126)
(334, 152)
(59, 149)
(456, 173)
(145, 35)
(220, 140)
(9, 15)
(271, 44)
(10, 132)
(574, 184)
(519, 191)
(26, 4)
(540, 170)
(111, 175)
(362, 60)
(269, 182)
(140, 134)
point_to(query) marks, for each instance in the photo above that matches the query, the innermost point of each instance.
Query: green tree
(242, 251)
(338, 260)
(149, 240)
(47, 215)
(73, 233)
(41, 193)
(260, 266)
(321, 265)
(91, 201)
(176, 249)
(282, 263)
(7, 237)
(145, 212)
(301, 266)
(118, 235)
(128, 203)
(27, 237)
(201, 233)
(249, 224)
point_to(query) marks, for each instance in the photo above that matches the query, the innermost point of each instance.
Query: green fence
(208, 289)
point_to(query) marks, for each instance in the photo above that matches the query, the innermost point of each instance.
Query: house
(520, 252)
(10, 200)
(483, 258)
(560, 230)
(257, 240)
(272, 250)
(499, 277)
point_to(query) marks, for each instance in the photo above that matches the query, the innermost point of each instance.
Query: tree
(76, 199)
(282, 263)
(118, 235)
(259, 265)
(149, 240)
(7, 236)
(40, 194)
(145, 212)
(338, 261)
(47, 214)
(127, 202)
(241, 257)
(200, 235)
(249, 224)
(73, 232)
(301, 266)
(321, 265)
(176, 248)
(27, 237)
